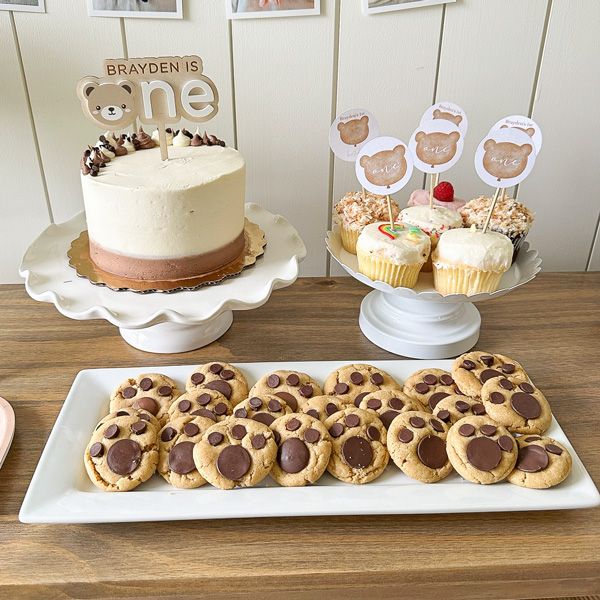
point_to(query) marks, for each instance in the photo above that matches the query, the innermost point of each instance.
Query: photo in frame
(141, 9)
(254, 9)
(24, 5)
(372, 7)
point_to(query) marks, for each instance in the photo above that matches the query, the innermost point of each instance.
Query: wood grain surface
(551, 325)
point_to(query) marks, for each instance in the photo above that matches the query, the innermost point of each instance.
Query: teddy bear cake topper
(350, 131)
(157, 90)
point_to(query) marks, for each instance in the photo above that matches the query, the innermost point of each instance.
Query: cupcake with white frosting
(468, 261)
(395, 256)
(433, 221)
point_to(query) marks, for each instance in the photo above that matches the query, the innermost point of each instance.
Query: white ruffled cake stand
(162, 322)
(420, 322)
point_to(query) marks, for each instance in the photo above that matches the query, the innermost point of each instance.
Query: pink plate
(7, 428)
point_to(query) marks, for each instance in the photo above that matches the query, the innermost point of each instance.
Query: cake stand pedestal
(420, 322)
(162, 322)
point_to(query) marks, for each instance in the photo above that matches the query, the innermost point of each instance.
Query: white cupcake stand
(162, 322)
(420, 322)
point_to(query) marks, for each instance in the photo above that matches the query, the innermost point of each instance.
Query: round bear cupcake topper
(350, 131)
(525, 124)
(154, 90)
(447, 111)
(436, 146)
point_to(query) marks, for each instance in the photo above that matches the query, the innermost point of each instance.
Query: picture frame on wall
(372, 7)
(141, 9)
(255, 9)
(24, 5)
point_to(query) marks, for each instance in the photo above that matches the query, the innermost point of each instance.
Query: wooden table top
(551, 325)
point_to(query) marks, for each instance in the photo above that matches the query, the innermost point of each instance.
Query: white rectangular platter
(60, 491)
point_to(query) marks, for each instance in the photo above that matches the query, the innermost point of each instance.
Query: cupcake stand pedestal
(162, 322)
(420, 322)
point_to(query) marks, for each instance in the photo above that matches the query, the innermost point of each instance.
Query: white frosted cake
(164, 220)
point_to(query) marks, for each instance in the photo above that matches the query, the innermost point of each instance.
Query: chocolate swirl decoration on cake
(206, 140)
(145, 141)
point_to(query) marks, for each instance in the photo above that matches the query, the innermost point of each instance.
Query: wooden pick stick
(162, 138)
(503, 197)
(364, 193)
(431, 191)
(494, 200)
(390, 211)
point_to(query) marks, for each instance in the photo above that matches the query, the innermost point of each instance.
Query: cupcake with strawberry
(443, 195)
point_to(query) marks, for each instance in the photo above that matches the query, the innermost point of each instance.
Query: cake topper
(447, 111)
(350, 131)
(157, 90)
(383, 166)
(525, 124)
(504, 158)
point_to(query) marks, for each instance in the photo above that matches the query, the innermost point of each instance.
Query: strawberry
(443, 191)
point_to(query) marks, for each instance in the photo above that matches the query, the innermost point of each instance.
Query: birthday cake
(150, 219)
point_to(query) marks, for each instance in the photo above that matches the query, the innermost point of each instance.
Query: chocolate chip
(357, 452)
(430, 379)
(431, 451)
(148, 404)
(526, 405)
(203, 399)
(139, 427)
(181, 457)
(241, 413)
(233, 462)
(129, 393)
(377, 378)
(532, 438)
(396, 403)
(462, 406)
(145, 417)
(184, 405)
(446, 379)
(124, 457)
(330, 409)
(165, 390)
(435, 398)
(306, 391)
(221, 409)
(313, 413)
(215, 438)
(356, 378)
(532, 459)
(422, 388)
(405, 435)
(191, 429)
(274, 405)
(312, 436)
(293, 455)
(374, 404)
(111, 431)
(276, 437)
(437, 425)
(96, 450)
(336, 430)
(506, 443)
(146, 384)
(255, 402)
(341, 388)
(273, 381)
(122, 413)
(168, 433)
(358, 399)
(444, 415)
(478, 409)
(506, 384)
(469, 365)
(227, 374)
(466, 430)
(489, 374)
(288, 399)
(484, 454)
(197, 378)
(507, 368)
(417, 422)
(527, 387)
(292, 424)
(215, 368)
(488, 430)
(554, 449)
(487, 360)
(352, 420)
(292, 379)
(238, 432)
(259, 441)
(373, 433)
(496, 398)
(263, 417)
(204, 412)
(220, 386)
(387, 417)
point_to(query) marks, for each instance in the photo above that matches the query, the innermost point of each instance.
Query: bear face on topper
(110, 104)
(436, 145)
(350, 130)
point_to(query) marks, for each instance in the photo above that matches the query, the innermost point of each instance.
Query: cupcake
(395, 256)
(432, 221)
(468, 261)
(353, 212)
(443, 195)
(511, 218)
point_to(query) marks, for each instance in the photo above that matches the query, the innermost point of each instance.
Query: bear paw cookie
(388, 404)
(264, 409)
(322, 407)
(351, 383)
(206, 403)
(293, 387)
(455, 407)
(429, 386)
(222, 377)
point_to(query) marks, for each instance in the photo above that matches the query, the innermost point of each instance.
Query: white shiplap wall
(280, 82)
